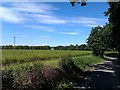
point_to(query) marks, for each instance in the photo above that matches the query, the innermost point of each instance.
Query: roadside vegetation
(53, 69)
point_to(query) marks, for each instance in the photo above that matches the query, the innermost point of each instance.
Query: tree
(99, 39)
(114, 18)
(83, 2)
(94, 41)
(76, 47)
(72, 47)
(82, 47)
(107, 36)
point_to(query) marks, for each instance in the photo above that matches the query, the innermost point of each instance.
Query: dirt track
(103, 76)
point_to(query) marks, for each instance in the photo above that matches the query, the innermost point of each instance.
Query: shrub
(43, 77)
(63, 85)
(66, 63)
(7, 80)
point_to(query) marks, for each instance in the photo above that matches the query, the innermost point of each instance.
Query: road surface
(102, 76)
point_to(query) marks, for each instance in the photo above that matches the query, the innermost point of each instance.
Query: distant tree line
(27, 47)
(60, 47)
(73, 47)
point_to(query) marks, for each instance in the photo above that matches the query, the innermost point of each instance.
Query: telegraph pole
(14, 42)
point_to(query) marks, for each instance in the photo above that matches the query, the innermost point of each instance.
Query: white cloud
(42, 13)
(82, 21)
(43, 28)
(94, 19)
(48, 19)
(10, 16)
(21, 12)
(90, 25)
(70, 33)
(88, 21)
(33, 7)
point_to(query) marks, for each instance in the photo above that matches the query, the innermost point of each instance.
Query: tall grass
(20, 56)
(31, 65)
(82, 62)
(85, 62)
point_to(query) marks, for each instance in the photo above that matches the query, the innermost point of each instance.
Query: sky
(50, 23)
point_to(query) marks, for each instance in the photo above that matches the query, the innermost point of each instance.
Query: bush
(63, 85)
(85, 62)
(68, 67)
(7, 80)
(66, 63)
(43, 77)
(98, 52)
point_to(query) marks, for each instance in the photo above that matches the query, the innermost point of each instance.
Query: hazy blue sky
(50, 23)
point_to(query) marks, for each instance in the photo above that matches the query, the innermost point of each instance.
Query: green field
(20, 56)
(18, 62)
(27, 59)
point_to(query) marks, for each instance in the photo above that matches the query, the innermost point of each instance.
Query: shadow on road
(105, 76)
(112, 55)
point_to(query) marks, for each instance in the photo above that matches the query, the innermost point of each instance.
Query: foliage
(85, 62)
(27, 47)
(70, 69)
(70, 47)
(99, 38)
(33, 79)
(68, 66)
(66, 63)
(95, 41)
(114, 19)
(83, 2)
(7, 79)
(63, 85)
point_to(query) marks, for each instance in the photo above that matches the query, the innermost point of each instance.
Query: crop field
(24, 60)
(20, 56)
(18, 62)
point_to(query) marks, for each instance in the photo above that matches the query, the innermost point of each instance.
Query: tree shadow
(105, 76)
(100, 80)
(112, 55)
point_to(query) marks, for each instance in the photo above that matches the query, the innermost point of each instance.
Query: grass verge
(85, 62)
